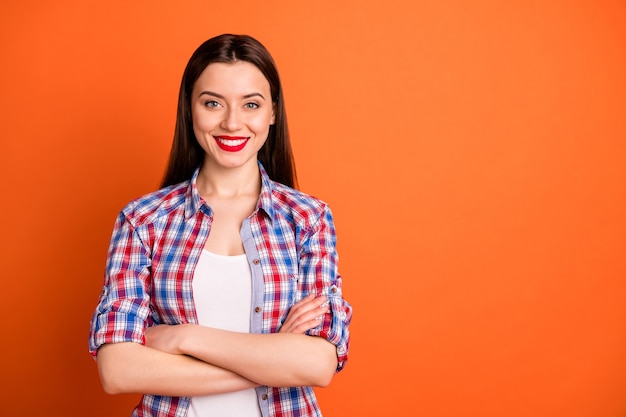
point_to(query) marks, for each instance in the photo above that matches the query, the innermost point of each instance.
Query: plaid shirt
(289, 242)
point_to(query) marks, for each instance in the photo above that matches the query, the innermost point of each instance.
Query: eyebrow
(211, 93)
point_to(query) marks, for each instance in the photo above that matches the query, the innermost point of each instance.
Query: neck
(229, 182)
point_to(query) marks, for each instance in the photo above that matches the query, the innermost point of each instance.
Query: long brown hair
(186, 154)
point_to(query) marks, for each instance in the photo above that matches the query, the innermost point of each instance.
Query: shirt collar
(194, 203)
(265, 198)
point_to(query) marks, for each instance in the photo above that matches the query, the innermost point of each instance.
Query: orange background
(473, 152)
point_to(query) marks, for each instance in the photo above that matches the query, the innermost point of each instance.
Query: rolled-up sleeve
(319, 267)
(123, 309)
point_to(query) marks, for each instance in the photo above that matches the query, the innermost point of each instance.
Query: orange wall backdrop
(473, 152)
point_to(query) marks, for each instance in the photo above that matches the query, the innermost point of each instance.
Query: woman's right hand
(305, 315)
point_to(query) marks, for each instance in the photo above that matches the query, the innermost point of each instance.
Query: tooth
(232, 142)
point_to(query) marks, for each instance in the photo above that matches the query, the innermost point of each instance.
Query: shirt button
(264, 397)
(258, 309)
(256, 262)
(333, 290)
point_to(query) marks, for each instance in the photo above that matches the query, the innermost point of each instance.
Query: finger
(315, 314)
(309, 324)
(308, 303)
(306, 320)
(307, 311)
(302, 326)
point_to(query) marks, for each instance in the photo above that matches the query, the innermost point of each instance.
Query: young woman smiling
(222, 294)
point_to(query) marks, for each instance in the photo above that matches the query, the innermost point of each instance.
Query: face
(232, 110)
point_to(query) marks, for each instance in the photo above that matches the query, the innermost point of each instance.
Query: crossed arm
(190, 360)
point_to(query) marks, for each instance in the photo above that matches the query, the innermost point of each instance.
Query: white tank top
(222, 292)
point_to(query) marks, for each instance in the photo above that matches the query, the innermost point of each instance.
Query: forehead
(235, 78)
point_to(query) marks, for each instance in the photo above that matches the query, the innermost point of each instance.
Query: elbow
(324, 379)
(325, 373)
(317, 374)
(324, 365)
(112, 377)
(109, 387)
(109, 381)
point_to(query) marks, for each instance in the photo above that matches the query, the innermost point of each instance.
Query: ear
(273, 114)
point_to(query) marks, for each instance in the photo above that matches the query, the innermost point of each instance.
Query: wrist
(183, 339)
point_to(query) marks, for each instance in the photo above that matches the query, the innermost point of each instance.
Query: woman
(221, 292)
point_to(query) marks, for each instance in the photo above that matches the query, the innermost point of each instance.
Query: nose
(232, 120)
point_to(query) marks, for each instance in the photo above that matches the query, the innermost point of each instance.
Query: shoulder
(161, 203)
(301, 207)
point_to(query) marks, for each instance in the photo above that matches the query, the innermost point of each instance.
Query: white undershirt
(222, 292)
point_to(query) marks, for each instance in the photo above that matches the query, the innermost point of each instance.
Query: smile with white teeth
(231, 142)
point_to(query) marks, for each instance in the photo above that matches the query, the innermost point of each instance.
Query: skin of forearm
(133, 368)
(277, 359)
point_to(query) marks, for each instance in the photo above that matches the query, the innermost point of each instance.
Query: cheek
(261, 123)
(203, 122)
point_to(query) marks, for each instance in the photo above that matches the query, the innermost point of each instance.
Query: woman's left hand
(305, 315)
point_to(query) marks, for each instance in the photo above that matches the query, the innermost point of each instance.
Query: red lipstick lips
(231, 143)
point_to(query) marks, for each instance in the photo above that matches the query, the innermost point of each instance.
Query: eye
(251, 106)
(211, 103)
